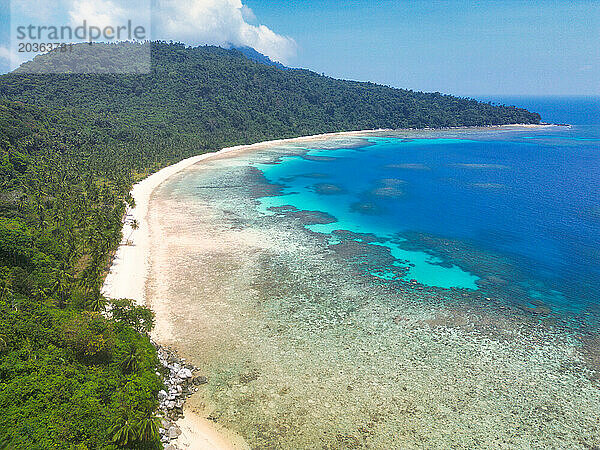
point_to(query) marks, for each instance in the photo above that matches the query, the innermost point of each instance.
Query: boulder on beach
(184, 374)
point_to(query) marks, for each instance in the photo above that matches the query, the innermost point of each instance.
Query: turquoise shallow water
(344, 203)
(529, 197)
(429, 289)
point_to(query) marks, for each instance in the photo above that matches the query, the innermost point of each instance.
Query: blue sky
(462, 47)
(469, 48)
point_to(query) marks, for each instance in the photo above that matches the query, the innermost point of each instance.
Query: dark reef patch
(365, 208)
(480, 166)
(318, 158)
(388, 192)
(391, 181)
(488, 185)
(362, 237)
(304, 217)
(408, 166)
(315, 175)
(328, 189)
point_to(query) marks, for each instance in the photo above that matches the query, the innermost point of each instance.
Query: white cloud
(12, 58)
(109, 13)
(193, 22)
(5, 53)
(218, 22)
(100, 13)
(248, 14)
(37, 10)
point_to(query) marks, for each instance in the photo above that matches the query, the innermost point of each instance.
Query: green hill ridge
(222, 92)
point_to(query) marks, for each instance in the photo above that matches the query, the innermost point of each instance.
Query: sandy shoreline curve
(127, 275)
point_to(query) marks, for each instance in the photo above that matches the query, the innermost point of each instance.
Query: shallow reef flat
(305, 347)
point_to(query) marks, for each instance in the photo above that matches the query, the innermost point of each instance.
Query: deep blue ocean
(518, 206)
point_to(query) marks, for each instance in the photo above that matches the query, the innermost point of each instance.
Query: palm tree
(93, 241)
(22, 203)
(148, 428)
(123, 433)
(5, 288)
(131, 360)
(134, 226)
(40, 207)
(95, 301)
(40, 293)
(62, 283)
(91, 276)
(73, 246)
(130, 200)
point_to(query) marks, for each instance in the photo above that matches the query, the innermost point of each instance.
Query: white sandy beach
(129, 270)
(128, 273)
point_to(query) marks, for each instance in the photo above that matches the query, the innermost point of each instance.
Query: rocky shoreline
(181, 381)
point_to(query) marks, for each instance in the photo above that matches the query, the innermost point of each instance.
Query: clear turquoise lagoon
(413, 289)
(529, 196)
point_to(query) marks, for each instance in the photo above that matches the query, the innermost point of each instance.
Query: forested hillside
(68, 375)
(224, 97)
(71, 146)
